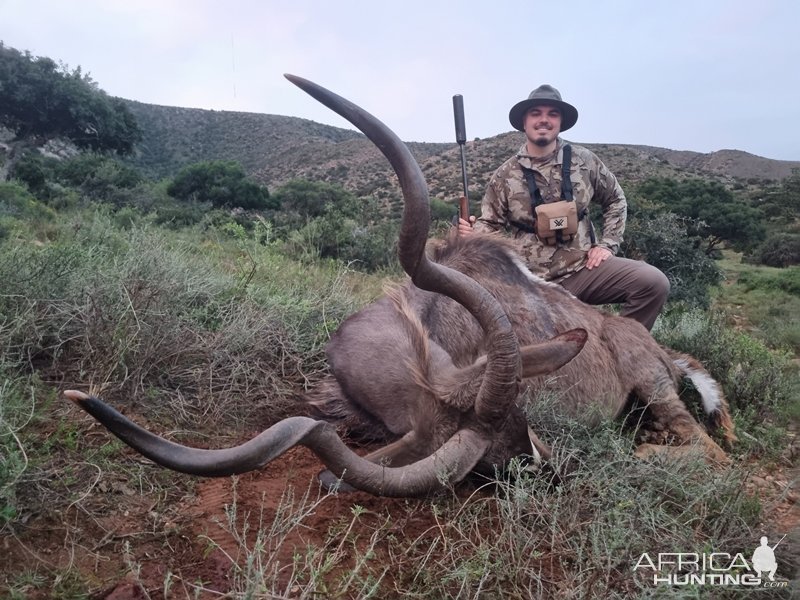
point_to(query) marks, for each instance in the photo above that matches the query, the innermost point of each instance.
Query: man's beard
(541, 142)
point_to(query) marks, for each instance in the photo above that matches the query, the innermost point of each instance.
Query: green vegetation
(716, 214)
(41, 98)
(661, 239)
(779, 250)
(781, 202)
(93, 177)
(765, 300)
(223, 184)
(320, 220)
(202, 304)
(215, 329)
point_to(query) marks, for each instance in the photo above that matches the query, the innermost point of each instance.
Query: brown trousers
(640, 288)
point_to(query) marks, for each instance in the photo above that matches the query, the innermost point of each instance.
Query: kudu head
(493, 429)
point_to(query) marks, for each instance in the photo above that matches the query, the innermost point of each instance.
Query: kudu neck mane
(487, 258)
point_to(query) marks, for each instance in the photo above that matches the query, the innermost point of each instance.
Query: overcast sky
(698, 75)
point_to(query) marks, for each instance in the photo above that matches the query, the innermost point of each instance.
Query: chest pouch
(555, 222)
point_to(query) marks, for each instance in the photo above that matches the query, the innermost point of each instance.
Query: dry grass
(217, 335)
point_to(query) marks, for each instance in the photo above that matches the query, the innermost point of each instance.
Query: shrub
(99, 177)
(442, 211)
(221, 183)
(326, 221)
(35, 171)
(661, 240)
(147, 316)
(779, 250)
(177, 215)
(16, 201)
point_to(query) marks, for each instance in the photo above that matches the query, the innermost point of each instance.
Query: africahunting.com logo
(713, 568)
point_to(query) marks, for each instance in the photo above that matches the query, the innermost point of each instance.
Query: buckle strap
(566, 166)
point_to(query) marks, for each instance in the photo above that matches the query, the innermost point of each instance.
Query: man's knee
(653, 283)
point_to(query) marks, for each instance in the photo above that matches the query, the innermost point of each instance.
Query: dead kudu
(438, 364)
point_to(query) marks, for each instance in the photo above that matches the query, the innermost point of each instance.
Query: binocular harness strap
(566, 190)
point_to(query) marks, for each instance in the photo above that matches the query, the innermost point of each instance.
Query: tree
(781, 203)
(442, 211)
(715, 213)
(223, 183)
(41, 98)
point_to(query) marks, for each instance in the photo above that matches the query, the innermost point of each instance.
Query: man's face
(542, 124)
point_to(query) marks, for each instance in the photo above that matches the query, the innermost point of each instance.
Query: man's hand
(465, 227)
(596, 255)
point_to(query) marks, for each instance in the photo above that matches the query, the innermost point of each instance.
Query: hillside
(276, 148)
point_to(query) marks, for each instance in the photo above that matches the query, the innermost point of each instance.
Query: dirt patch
(136, 545)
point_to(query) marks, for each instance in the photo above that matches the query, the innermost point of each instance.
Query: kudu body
(620, 364)
(437, 364)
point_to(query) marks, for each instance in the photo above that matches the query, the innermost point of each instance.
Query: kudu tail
(718, 416)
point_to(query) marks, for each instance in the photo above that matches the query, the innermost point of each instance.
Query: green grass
(763, 304)
(216, 331)
(765, 301)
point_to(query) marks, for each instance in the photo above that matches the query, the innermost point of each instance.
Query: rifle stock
(463, 208)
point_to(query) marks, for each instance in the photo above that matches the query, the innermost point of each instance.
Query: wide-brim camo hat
(544, 94)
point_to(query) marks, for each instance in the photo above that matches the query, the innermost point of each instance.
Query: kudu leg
(676, 419)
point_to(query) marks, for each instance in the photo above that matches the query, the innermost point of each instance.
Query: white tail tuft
(705, 385)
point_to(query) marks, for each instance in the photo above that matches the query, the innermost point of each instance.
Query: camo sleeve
(494, 207)
(609, 195)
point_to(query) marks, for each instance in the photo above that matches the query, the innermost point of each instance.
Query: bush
(96, 177)
(323, 220)
(147, 316)
(221, 183)
(99, 177)
(17, 202)
(661, 240)
(779, 250)
(35, 171)
(442, 211)
(176, 215)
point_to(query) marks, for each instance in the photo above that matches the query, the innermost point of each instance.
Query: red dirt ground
(175, 540)
(101, 525)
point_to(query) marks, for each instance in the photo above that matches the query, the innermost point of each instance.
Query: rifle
(461, 138)
(779, 541)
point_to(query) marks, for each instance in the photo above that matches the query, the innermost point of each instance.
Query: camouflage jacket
(507, 206)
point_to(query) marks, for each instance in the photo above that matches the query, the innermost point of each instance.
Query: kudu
(437, 363)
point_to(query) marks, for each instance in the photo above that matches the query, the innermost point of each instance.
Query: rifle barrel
(461, 138)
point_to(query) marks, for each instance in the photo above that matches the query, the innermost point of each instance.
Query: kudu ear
(546, 357)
